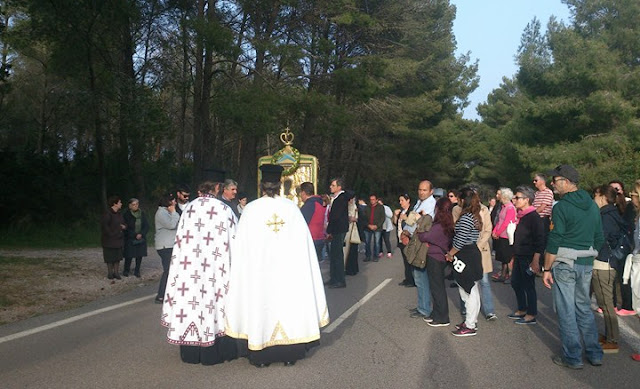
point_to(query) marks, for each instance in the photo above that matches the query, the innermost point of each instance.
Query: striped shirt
(545, 197)
(465, 232)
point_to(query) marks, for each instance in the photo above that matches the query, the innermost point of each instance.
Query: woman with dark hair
(528, 245)
(622, 293)
(166, 221)
(135, 237)
(439, 240)
(604, 275)
(453, 197)
(405, 205)
(112, 225)
(467, 260)
(351, 267)
(242, 202)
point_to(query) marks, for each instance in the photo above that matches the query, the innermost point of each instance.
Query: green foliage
(574, 99)
(132, 98)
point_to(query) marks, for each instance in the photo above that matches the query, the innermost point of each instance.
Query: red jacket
(313, 211)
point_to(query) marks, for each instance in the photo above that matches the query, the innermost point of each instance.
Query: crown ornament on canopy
(287, 137)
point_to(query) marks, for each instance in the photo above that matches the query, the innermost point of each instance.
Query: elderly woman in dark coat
(135, 237)
(112, 239)
(528, 245)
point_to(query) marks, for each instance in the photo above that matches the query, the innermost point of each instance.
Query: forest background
(131, 97)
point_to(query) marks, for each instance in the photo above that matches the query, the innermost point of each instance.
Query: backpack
(619, 251)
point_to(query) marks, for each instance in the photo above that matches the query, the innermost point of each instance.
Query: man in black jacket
(336, 231)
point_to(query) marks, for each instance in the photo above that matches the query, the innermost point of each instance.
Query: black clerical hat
(215, 175)
(271, 173)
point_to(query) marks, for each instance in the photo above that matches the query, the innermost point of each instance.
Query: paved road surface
(114, 343)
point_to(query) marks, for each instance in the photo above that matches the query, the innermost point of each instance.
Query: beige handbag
(354, 235)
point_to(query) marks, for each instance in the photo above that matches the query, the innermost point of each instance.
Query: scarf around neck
(138, 215)
(523, 212)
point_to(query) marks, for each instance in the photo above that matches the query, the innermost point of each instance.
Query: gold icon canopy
(298, 168)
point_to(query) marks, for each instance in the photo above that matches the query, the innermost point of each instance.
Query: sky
(491, 31)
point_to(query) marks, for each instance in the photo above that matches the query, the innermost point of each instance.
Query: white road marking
(59, 323)
(355, 307)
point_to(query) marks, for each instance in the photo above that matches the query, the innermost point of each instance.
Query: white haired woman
(504, 251)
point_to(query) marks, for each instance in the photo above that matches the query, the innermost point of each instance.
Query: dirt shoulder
(37, 282)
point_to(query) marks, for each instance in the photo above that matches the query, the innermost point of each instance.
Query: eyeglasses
(559, 179)
(519, 197)
(535, 180)
(451, 196)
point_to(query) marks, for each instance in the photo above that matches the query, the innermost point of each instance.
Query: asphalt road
(114, 343)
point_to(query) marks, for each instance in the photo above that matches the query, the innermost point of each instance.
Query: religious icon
(298, 168)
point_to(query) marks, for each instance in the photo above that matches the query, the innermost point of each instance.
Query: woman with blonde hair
(632, 268)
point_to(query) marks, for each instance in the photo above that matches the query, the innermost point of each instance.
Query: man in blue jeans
(374, 216)
(568, 265)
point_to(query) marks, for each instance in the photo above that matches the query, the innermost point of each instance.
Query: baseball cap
(566, 171)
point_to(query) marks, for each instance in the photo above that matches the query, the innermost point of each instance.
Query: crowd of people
(217, 311)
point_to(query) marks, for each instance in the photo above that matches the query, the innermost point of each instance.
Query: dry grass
(38, 282)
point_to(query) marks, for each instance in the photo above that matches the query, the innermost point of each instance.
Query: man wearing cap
(276, 302)
(568, 266)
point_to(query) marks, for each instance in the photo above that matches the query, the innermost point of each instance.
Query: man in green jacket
(568, 265)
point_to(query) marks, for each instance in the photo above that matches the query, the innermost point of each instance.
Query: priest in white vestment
(276, 300)
(198, 283)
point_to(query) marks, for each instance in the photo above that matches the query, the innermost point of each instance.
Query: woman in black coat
(112, 225)
(135, 242)
(528, 245)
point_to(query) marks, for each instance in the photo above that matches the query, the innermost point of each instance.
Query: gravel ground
(56, 280)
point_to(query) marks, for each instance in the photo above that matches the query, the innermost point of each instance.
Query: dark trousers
(436, 272)
(546, 224)
(408, 270)
(621, 292)
(319, 245)
(165, 256)
(336, 256)
(387, 241)
(525, 287)
(352, 268)
(127, 265)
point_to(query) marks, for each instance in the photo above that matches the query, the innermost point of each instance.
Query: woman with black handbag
(467, 260)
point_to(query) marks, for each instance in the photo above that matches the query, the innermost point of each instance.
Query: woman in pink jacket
(504, 251)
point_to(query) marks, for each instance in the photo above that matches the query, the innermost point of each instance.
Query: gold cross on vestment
(276, 223)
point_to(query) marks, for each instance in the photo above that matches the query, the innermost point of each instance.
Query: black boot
(138, 263)
(116, 271)
(127, 267)
(110, 271)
